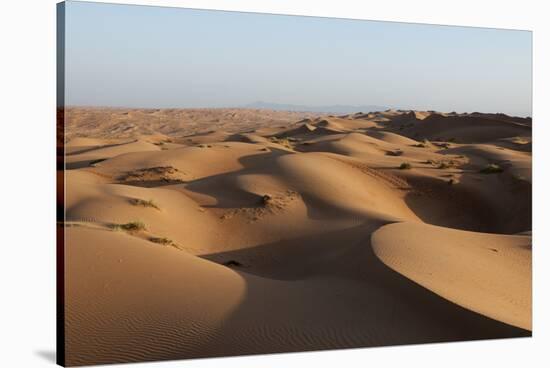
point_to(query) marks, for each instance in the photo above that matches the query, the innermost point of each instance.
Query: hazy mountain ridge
(337, 109)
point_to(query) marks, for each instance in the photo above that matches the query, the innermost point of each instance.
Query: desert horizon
(214, 232)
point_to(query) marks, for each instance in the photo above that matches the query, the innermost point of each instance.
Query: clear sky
(143, 56)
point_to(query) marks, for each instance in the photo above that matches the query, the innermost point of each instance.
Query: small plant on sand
(405, 166)
(130, 226)
(144, 203)
(232, 263)
(491, 169)
(161, 240)
(396, 152)
(424, 144)
(266, 199)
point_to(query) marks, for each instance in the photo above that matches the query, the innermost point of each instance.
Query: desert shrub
(397, 152)
(161, 240)
(266, 199)
(425, 143)
(405, 166)
(491, 169)
(130, 226)
(232, 263)
(144, 203)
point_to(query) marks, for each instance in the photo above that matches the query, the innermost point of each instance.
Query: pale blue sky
(143, 56)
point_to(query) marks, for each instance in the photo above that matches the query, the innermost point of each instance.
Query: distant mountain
(335, 109)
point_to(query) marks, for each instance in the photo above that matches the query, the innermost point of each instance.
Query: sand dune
(471, 129)
(195, 233)
(83, 156)
(123, 123)
(489, 273)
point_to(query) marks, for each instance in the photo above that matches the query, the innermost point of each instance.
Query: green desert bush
(129, 226)
(144, 203)
(405, 166)
(161, 240)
